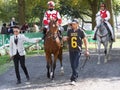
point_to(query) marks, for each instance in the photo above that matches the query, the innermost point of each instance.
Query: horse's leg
(48, 70)
(99, 47)
(54, 66)
(110, 47)
(106, 51)
(51, 67)
(48, 58)
(54, 63)
(60, 58)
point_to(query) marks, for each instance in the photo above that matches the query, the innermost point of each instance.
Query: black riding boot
(44, 33)
(94, 38)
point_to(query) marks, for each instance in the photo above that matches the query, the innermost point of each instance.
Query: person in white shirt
(17, 51)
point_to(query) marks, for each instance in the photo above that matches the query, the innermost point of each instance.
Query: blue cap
(75, 21)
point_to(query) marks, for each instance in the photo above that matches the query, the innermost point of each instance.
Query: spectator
(13, 22)
(4, 29)
(9, 29)
(36, 28)
(24, 28)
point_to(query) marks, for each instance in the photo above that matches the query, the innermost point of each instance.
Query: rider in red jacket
(105, 14)
(50, 14)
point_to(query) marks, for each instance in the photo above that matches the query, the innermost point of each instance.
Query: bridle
(53, 35)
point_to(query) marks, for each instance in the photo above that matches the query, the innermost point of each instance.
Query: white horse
(103, 37)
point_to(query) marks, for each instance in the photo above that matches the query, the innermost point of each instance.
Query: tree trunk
(94, 7)
(21, 11)
(110, 9)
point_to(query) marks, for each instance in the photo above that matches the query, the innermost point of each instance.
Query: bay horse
(52, 46)
(103, 37)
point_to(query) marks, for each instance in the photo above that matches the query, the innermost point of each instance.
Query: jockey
(50, 14)
(105, 14)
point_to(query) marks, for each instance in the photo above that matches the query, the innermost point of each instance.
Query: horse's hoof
(105, 61)
(98, 63)
(62, 72)
(48, 75)
(52, 80)
(51, 75)
(109, 58)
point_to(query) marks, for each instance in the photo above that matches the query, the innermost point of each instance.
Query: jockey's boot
(94, 38)
(44, 33)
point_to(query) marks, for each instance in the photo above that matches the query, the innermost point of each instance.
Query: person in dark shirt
(4, 29)
(74, 37)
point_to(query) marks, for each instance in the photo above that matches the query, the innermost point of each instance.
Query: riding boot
(94, 38)
(44, 33)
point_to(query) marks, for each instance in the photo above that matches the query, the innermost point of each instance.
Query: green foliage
(8, 10)
(116, 7)
(34, 9)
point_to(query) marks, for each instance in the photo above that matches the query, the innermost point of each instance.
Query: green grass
(4, 59)
(4, 63)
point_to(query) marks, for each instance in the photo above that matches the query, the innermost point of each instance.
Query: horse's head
(53, 26)
(98, 20)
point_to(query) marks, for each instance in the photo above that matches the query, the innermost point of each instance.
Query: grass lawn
(4, 63)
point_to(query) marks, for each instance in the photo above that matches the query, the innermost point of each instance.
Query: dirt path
(93, 77)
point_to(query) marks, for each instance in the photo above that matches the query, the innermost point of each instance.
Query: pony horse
(103, 37)
(52, 45)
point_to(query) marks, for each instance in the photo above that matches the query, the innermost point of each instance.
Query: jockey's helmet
(51, 3)
(103, 5)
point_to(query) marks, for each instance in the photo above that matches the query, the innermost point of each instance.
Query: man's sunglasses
(15, 31)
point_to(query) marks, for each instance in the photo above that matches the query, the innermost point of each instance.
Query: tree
(110, 9)
(94, 8)
(21, 11)
(8, 10)
(80, 9)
